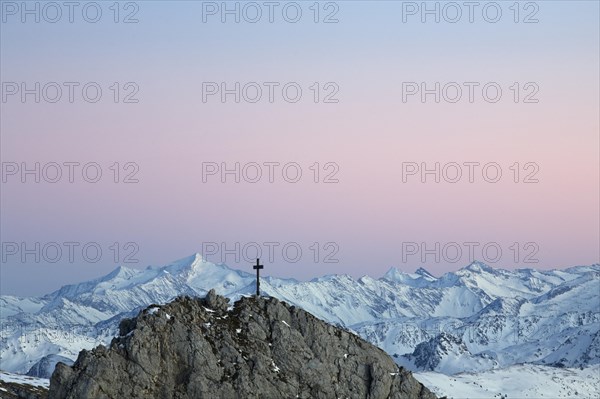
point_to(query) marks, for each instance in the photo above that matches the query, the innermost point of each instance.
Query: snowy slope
(518, 381)
(23, 379)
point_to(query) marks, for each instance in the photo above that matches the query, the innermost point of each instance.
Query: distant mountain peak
(392, 274)
(420, 277)
(479, 267)
(422, 272)
(120, 271)
(190, 266)
(189, 262)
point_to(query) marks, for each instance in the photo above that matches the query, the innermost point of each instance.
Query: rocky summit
(259, 347)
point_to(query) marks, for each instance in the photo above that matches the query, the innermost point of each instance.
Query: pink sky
(170, 213)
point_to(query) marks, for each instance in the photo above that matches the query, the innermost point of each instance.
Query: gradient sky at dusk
(369, 133)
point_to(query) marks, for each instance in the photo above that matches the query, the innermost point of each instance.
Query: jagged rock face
(197, 348)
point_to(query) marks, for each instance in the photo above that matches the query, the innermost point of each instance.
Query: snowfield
(520, 381)
(24, 379)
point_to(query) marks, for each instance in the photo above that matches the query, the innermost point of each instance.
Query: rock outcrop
(259, 348)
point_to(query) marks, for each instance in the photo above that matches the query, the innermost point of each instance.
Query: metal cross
(257, 267)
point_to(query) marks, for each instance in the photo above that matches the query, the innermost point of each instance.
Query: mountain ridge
(524, 315)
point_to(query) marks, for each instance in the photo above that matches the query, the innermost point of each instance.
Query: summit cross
(257, 267)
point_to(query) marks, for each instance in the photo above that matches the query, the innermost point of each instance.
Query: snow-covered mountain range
(476, 319)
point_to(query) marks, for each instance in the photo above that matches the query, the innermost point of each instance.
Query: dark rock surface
(262, 348)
